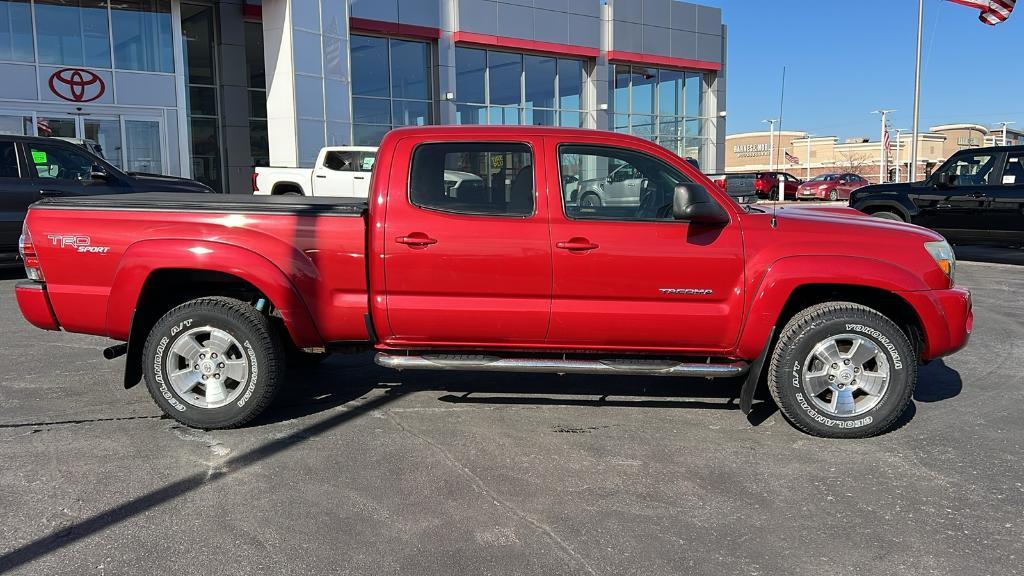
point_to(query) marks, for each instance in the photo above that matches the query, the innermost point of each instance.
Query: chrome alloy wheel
(846, 375)
(207, 367)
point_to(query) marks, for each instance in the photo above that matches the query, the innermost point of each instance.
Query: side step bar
(631, 367)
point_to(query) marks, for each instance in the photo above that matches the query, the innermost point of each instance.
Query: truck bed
(102, 252)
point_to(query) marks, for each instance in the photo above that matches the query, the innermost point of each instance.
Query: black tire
(797, 341)
(590, 200)
(833, 195)
(255, 342)
(886, 215)
(774, 194)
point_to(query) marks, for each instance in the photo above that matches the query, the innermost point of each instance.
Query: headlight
(943, 254)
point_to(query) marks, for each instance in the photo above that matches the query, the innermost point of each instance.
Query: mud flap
(754, 376)
(133, 359)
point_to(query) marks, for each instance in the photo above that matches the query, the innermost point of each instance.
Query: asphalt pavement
(365, 471)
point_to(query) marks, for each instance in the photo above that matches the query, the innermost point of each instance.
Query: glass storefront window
(197, 36)
(142, 35)
(470, 75)
(505, 72)
(16, 31)
(105, 133)
(73, 32)
(660, 105)
(517, 88)
(256, 74)
(198, 29)
(390, 86)
(410, 65)
(16, 124)
(370, 66)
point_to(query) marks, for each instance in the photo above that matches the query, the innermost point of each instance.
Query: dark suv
(977, 196)
(32, 168)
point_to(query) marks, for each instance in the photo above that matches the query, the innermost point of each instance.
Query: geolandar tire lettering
(842, 370)
(213, 362)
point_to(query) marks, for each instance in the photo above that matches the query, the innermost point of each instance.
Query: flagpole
(917, 92)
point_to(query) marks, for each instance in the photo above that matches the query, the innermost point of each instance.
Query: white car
(342, 171)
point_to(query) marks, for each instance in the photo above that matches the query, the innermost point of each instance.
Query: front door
(467, 259)
(956, 209)
(64, 169)
(631, 276)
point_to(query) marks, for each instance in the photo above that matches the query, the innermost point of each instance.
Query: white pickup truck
(339, 171)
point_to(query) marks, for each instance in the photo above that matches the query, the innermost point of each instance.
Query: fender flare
(896, 205)
(786, 275)
(280, 183)
(145, 257)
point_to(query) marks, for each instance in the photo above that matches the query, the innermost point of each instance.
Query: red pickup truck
(212, 296)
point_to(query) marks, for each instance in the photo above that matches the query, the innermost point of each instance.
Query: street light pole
(899, 135)
(917, 91)
(881, 146)
(807, 138)
(1004, 125)
(771, 142)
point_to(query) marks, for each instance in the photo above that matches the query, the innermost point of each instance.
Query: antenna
(782, 188)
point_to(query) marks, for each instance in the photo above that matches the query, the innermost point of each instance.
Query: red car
(212, 297)
(831, 187)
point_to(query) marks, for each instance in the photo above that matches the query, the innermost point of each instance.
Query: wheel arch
(789, 287)
(144, 289)
(286, 187)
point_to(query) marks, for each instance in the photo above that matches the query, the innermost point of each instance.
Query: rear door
(1004, 213)
(632, 277)
(467, 264)
(16, 193)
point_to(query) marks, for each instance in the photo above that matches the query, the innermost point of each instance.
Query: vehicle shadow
(989, 254)
(937, 382)
(343, 378)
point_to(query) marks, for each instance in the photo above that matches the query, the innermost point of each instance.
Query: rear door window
(9, 160)
(1013, 172)
(473, 178)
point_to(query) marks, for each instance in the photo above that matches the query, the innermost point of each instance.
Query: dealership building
(805, 155)
(209, 90)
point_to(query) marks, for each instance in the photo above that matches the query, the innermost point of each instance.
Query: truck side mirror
(944, 180)
(99, 173)
(693, 203)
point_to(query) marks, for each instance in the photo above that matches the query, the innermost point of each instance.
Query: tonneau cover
(188, 202)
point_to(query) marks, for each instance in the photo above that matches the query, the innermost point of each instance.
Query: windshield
(823, 178)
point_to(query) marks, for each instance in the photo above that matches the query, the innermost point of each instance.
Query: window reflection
(16, 31)
(73, 32)
(142, 35)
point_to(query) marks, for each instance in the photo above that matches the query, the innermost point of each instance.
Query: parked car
(212, 297)
(338, 171)
(34, 167)
(831, 187)
(742, 187)
(976, 196)
(766, 184)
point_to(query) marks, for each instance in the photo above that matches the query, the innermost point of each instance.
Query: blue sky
(845, 58)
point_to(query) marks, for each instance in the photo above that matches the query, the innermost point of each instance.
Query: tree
(852, 162)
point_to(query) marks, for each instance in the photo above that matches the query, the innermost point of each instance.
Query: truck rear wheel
(842, 370)
(213, 363)
(886, 215)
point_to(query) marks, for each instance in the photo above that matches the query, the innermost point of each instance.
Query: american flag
(886, 142)
(792, 159)
(992, 11)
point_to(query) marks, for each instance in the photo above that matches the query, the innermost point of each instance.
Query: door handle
(577, 245)
(321, 176)
(416, 239)
(359, 177)
(50, 193)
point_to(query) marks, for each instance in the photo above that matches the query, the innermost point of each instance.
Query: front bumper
(35, 305)
(947, 317)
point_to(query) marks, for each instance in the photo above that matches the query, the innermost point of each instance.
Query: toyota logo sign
(77, 85)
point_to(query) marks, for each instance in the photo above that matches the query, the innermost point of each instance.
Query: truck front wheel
(213, 363)
(842, 370)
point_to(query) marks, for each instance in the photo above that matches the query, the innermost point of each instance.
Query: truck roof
(504, 131)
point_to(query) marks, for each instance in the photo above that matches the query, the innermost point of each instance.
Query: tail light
(28, 254)
(255, 185)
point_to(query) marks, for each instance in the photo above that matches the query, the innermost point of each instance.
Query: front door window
(142, 140)
(103, 137)
(970, 170)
